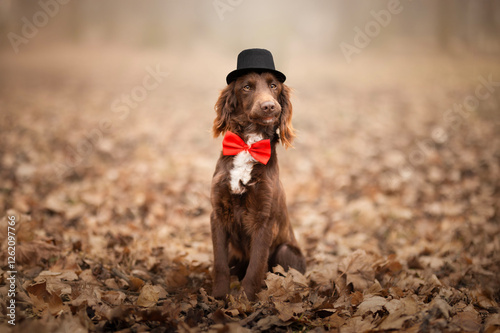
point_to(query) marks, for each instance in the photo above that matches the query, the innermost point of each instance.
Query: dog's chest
(243, 163)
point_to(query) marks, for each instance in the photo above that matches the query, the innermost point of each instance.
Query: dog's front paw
(220, 291)
(250, 289)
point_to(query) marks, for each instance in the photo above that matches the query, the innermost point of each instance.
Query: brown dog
(251, 229)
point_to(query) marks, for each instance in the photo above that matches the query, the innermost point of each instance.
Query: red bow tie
(233, 144)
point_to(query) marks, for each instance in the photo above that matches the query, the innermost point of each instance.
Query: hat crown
(254, 60)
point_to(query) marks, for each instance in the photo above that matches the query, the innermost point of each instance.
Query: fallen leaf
(371, 304)
(148, 297)
(288, 310)
(43, 299)
(468, 320)
(113, 297)
(492, 324)
(268, 322)
(358, 269)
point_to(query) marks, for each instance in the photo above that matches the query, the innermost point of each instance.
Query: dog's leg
(288, 256)
(257, 267)
(221, 263)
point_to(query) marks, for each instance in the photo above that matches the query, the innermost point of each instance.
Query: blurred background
(320, 26)
(337, 55)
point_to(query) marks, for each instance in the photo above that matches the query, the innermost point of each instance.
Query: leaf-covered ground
(394, 198)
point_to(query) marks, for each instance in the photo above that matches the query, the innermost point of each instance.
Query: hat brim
(240, 72)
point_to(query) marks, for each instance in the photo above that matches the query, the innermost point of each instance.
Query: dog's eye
(273, 86)
(246, 88)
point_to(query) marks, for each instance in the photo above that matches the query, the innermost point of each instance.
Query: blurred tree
(452, 25)
(467, 24)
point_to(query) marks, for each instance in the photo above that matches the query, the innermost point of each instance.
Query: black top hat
(254, 60)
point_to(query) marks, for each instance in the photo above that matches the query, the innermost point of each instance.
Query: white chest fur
(243, 163)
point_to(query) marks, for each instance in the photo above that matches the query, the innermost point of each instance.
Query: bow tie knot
(233, 145)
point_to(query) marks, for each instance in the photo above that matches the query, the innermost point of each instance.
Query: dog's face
(258, 96)
(255, 99)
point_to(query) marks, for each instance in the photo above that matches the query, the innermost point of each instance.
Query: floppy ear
(287, 133)
(224, 106)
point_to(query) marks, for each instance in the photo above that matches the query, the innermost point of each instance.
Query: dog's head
(257, 99)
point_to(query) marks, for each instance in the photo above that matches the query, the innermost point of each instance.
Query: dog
(250, 225)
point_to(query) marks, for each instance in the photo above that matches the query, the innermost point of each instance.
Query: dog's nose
(267, 106)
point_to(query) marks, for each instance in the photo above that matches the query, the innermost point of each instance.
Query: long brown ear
(224, 106)
(287, 133)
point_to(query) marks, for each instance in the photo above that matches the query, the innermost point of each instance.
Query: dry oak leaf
(442, 306)
(400, 310)
(268, 322)
(113, 297)
(135, 283)
(333, 321)
(54, 281)
(240, 304)
(356, 298)
(324, 274)
(484, 300)
(66, 275)
(285, 287)
(148, 297)
(468, 320)
(371, 304)
(288, 310)
(33, 252)
(358, 269)
(357, 324)
(403, 306)
(229, 327)
(43, 299)
(492, 323)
